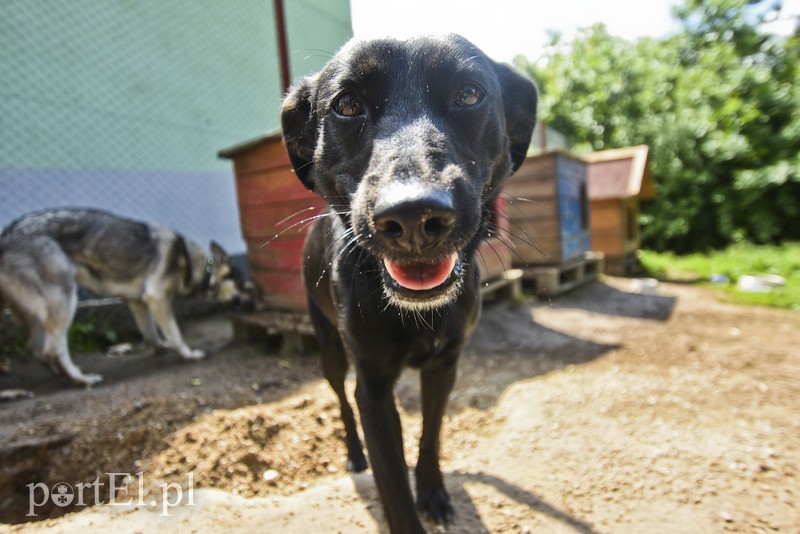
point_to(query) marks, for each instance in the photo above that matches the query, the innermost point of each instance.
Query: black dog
(409, 143)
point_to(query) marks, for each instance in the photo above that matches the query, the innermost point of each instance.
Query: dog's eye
(348, 105)
(468, 95)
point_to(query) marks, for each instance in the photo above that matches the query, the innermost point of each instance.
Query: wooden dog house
(617, 181)
(549, 210)
(276, 211)
(549, 217)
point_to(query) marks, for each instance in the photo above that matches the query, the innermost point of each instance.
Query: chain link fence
(123, 105)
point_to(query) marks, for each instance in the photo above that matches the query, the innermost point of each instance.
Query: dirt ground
(603, 410)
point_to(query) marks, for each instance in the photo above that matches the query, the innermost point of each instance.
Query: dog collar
(208, 273)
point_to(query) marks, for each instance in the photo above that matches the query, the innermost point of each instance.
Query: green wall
(148, 84)
(148, 89)
(311, 46)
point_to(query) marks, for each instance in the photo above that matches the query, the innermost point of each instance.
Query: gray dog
(44, 256)
(409, 143)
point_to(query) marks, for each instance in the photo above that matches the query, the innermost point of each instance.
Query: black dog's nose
(413, 223)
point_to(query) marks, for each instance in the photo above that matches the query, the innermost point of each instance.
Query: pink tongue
(421, 276)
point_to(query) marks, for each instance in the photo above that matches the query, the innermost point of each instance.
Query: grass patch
(91, 336)
(734, 262)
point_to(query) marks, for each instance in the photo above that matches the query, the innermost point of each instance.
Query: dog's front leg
(383, 434)
(144, 320)
(436, 384)
(161, 311)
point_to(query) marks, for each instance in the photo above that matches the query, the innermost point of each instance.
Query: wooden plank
(270, 186)
(543, 253)
(267, 155)
(537, 247)
(608, 242)
(280, 289)
(279, 321)
(536, 177)
(541, 165)
(282, 254)
(288, 219)
(507, 286)
(606, 209)
(554, 280)
(606, 223)
(536, 207)
(531, 186)
(536, 230)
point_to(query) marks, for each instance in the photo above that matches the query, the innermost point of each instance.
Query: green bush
(718, 103)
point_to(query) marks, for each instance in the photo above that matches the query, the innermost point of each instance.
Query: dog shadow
(641, 302)
(508, 346)
(467, 517)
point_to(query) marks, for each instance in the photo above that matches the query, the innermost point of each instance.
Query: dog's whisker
(302, 224)
(510, 199)
(347, 248)
(332, 244)
(496, 253)
(500, 234)
(356, 264)
(314, 217)
(423, 321)
(346, 234)
(506, 242)
(528, 241)
(522, 236)
(318, 53)
(504, 235)
(304, 165)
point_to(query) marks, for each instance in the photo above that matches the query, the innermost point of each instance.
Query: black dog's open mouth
(423, 282)
(421, 276)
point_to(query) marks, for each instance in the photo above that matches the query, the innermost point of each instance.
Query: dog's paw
(87, 380)
(193, 354)
(357, 465)
(435, 503)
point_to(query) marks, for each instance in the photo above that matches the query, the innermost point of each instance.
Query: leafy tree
(719, 106)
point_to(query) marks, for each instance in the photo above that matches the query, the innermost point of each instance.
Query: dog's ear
(299, 125)
(219, 253)
(519, 100)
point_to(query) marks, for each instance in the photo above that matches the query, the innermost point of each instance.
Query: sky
(506, 28)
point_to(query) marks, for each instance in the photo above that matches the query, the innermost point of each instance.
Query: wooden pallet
(506, 286)
(280, 330)
(557, 279)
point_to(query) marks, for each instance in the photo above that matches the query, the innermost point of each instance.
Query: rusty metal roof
(620, 173)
